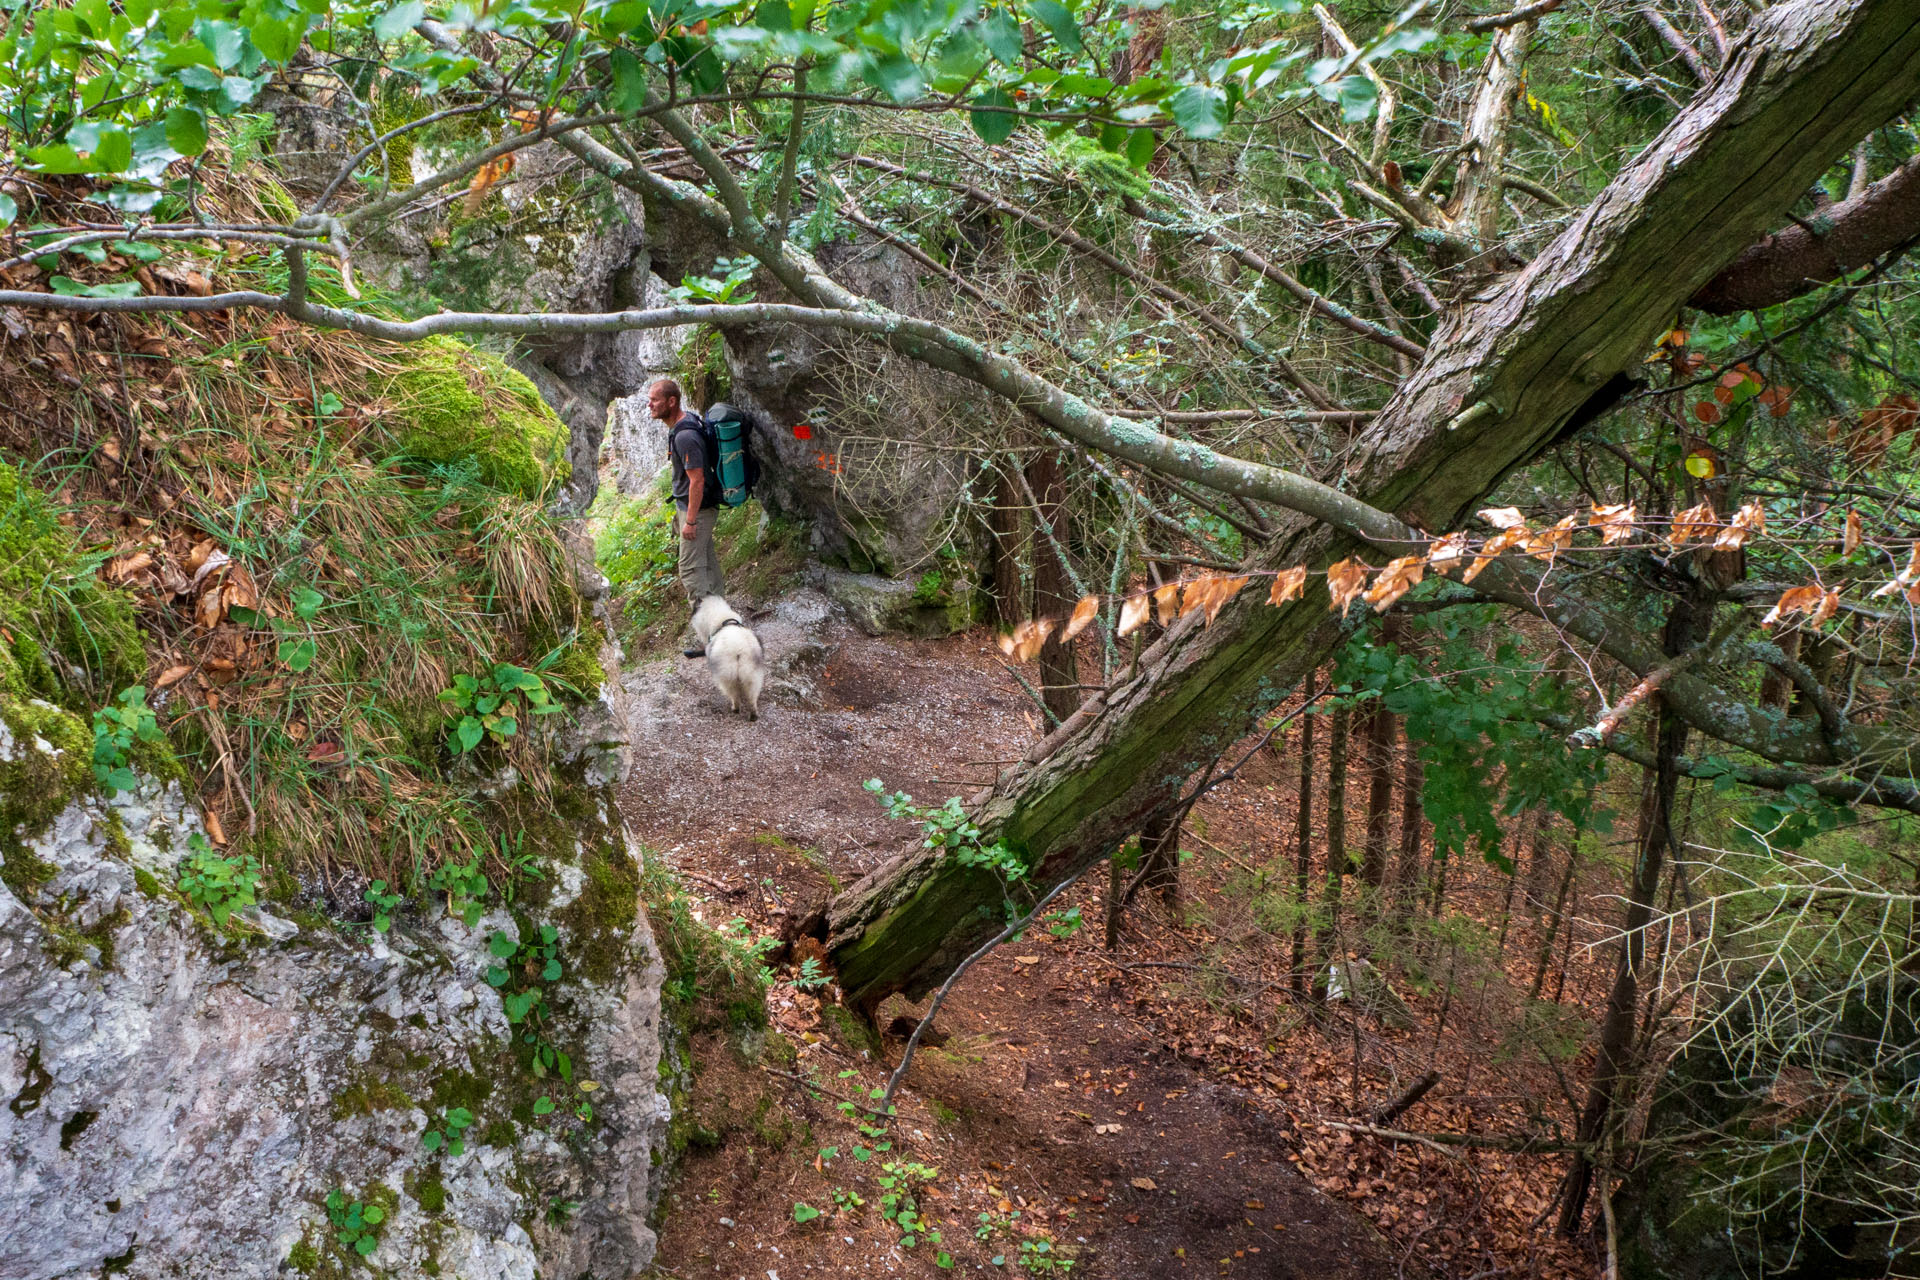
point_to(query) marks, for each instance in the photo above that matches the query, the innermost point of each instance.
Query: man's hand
(689, 529)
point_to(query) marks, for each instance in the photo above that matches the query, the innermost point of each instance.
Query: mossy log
(1548, 351)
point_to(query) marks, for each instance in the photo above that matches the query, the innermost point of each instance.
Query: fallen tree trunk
(1548, 351)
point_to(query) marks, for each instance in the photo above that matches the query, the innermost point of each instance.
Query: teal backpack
(729, 433)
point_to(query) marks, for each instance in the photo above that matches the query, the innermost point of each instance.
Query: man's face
(663, 404)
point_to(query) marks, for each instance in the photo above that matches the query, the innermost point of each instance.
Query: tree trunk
(1160, 856)
(1338, 864)
(1653, 840)
(1303, 859)
(1413, 820)
(1545, 353)
(1379, 735)
(1003, 523)
(1052, 586)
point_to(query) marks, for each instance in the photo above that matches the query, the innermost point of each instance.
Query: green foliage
(115, 731)
(448, 1133)
(383, 904)
(1037, 1257)
(356, 1225)
(804, 1212)
(538, 956)
(466, 887)
(809, 976)
(899, 1203)
(728, 284)
(950, 828)
(492, 704)
(218, 884)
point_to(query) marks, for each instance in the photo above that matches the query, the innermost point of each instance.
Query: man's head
(663, 400)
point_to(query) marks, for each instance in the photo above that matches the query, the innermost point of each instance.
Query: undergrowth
(308, 576)
(637, 548)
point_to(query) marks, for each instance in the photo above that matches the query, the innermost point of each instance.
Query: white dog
(733, 654)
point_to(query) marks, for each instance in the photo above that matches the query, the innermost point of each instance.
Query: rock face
(182, 1101)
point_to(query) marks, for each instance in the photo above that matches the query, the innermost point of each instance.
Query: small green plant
(510, 953)
(216, 883)
(115, 729)
(1064, 924)
(804, 1212)
(726, 286)
(899, 1182)
(449, 1133)
(297, 648)
(809, 976)
(466, 887)
(1037, 1257)
(492, 704)
(950, 828)
(383, 903)
(847, 1201)
(354, 1224)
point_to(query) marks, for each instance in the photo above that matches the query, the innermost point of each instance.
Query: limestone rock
(181, 1102)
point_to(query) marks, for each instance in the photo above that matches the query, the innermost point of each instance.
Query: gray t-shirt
(687, 447)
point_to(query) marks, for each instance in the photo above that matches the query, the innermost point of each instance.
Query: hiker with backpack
(713, 466)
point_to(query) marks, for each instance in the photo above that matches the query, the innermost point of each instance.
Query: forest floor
(1165, 1109)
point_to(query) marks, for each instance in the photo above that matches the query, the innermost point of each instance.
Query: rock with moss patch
(452, 404)
(232, 1083)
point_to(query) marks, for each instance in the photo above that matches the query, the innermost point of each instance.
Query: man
(695, 502)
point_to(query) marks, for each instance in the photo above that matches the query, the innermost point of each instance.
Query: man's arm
(696, 491)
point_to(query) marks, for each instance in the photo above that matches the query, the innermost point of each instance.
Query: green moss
(51, 599)
(366, 1096)
(454, 404)
(500, 1133)
(460, 1089)
(44, 768)
(303, 1258)
(598, 925)
(427, 1190)
(146, 882)
(67, 944)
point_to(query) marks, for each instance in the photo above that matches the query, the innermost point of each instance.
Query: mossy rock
(44, 763)
(50, 599)
(453, 404)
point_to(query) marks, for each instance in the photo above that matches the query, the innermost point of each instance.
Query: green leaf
(1058, 20)
(1140, 148)
(298, 654)
(459, 1118)
(629, 82)
(1199, 110)
(804, 1212)
(223, 40)
(993, 126)
(502, 945)
(365, 1245)
(399, 20)
(468, 733)
(1357, 99)
(306, 602)
(70, 288)
(374, 1215)
(432, 1139)
(496, 976)
(897, 77)
(138, 250)
(552, 971)
(277, 38)
(543, 1105)
(8, 210)
(1001, 34)
(187, 130)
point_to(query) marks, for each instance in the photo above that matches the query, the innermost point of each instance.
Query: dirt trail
(1051, 1107)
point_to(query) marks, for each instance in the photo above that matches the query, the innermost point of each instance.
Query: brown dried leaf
(1345, 581)
(173, 675)
(1694, 522)
(1166, 602)
(1447, 553)
(1133, 612)
(1400, 575)
(1288, 584)
(1083, 616)
(1615, 522)
(1807, 600)
(1547, 543)
(1748, 522)
(1224, 590)
(123, 568)
(1029, 636)
(1503, 517)
(1851, 542)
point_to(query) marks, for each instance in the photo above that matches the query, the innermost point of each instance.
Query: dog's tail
(741, 675)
